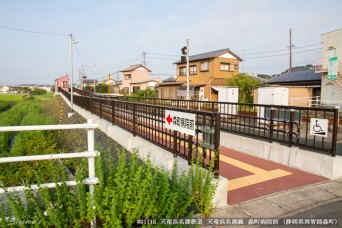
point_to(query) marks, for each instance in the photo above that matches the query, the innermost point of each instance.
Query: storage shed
(227, 94)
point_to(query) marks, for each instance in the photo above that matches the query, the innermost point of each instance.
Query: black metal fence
(148, 122)
(289, 125)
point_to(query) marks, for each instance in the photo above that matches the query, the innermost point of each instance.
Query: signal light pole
(185, 51)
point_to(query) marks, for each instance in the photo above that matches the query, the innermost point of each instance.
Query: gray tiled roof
(133, 67)
(170, 79)
(302, 75)
(209, 55)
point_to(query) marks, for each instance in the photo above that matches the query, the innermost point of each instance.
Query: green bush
(4, 106)
(203, 186)
(128, 190)
(133, 190)
(149, 93)
(38, 92)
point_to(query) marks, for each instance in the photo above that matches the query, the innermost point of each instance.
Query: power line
(30, 31)
(114, 64)
(267, 56)
(162, 58)
(308, 46)
(160, 54)
(265, 52)
(79, 55)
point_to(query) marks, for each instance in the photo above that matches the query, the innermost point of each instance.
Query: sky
(114, 34)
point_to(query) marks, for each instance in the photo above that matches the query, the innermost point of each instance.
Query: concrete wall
(158, 156)
(319, 164)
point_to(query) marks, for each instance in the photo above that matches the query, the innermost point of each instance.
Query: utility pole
(144, 58)
(72, 41)
(94, 78)
(108, 84)
(243, 61)
(290, 50)
(83, 77)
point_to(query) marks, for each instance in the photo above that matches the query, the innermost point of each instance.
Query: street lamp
(72, 41)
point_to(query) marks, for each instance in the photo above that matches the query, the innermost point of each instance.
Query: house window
(182, 71)
(136, 89)
(193, 69)
(127, 77)
(227, 67)
(204, 66)
(224, 66)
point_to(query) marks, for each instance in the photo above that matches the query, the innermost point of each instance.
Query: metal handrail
(90, 154)
(146, 120)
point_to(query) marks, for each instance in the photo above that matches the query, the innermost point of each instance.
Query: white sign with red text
(180, 121)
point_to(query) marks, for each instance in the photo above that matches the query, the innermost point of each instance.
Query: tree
(37, 91)
(149, 93)
(101, 87)
(246, 84)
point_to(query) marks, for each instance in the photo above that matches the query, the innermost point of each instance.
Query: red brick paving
(296, 179)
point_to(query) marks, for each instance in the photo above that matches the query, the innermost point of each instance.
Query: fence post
(92, 105)
(175, 152)
(334, 137)
(190, 149)
(91, 165)
(100, 108)
(217, 144)
(292, 118)
(271, 124)
(134, 119)
(113, 112)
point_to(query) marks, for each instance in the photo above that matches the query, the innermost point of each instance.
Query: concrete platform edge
(312, 162)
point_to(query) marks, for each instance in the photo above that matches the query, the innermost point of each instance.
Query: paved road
(326, 210)
(316, 201)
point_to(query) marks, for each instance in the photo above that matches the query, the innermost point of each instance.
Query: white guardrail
(90, 154)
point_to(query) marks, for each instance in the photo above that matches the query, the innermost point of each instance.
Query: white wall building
(331, 90)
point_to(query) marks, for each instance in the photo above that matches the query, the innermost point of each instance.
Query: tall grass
(12, 117)
(25, 143)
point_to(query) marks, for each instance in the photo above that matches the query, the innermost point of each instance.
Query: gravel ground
(76, 140)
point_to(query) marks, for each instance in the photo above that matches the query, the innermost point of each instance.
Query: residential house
(89, 83)
(331, 93)
(303, 86)
(4, 89)
(168, 88)
(206, 70)
(114, 85)
(144, 85)
(62, 82)
(135, 77)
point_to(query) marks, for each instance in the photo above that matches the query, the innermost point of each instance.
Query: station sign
(332, 68)
(180, 121)
(319, 127)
